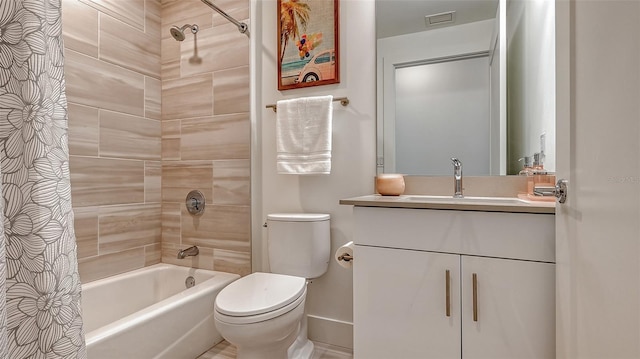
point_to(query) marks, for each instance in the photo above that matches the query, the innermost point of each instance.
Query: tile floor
(225, 350)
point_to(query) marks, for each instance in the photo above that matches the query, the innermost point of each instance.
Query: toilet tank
(299, 243)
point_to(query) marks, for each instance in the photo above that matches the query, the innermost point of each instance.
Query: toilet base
(277, 348)
(262, 352)
(302, 348)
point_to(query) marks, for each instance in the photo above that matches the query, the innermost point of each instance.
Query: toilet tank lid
(298, 217)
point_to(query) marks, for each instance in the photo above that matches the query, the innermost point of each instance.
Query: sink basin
(463, 200)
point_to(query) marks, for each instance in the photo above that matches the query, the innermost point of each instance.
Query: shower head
(178, 32)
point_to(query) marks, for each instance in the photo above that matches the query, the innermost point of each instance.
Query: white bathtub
(149, 313)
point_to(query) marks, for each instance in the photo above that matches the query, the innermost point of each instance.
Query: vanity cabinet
(414, 274)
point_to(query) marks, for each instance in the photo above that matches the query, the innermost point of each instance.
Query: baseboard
(330, 331)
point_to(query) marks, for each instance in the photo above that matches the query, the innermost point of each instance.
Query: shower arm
(242, 27)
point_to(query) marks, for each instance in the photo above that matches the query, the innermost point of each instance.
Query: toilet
(263, 314)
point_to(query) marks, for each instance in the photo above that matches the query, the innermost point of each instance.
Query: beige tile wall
(206, 136)
(112, 50)
(146, 125)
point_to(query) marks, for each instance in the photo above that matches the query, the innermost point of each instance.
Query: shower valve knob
(195, 203)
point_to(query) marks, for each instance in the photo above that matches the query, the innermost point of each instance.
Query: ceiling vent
(440, 19)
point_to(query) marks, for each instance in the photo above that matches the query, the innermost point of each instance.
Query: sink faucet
(191, 251)
(457, 178)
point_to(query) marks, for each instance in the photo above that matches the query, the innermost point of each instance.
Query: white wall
(444, 42)
(498, 83)
(329, 301)
(531, 80)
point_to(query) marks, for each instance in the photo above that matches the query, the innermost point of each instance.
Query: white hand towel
(303, 135)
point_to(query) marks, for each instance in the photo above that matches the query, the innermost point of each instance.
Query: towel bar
(343, 101)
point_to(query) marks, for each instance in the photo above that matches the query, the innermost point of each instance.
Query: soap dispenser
(527, 166)
(527, 171)
(542, 188)
(538, 167)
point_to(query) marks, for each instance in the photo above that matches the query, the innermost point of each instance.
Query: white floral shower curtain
(40, 314)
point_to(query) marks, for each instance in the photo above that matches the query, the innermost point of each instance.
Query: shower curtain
(40, 315)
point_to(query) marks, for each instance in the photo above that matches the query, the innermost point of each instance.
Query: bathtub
(149, 313)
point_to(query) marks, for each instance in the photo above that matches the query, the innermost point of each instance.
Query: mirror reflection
(468, 79)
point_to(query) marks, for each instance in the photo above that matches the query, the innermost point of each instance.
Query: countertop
(416, 202)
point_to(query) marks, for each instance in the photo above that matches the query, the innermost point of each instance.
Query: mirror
(474, 81)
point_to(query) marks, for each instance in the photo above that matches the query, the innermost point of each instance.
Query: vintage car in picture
(322, 66)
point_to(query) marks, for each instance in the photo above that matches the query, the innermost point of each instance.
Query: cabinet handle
(475, 297)
(448, 292)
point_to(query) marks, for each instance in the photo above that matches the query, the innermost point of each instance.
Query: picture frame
(308, 43)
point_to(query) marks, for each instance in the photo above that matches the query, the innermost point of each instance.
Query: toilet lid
(298, 217)
(259, 293)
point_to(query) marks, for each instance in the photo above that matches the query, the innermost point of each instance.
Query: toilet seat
(259, 297)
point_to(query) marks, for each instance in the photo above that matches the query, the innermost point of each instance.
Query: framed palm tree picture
(308, 44)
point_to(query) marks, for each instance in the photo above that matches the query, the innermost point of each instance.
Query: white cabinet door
(400, 304)
(515, 302)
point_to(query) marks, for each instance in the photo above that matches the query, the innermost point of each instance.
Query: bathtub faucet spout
(191, 251)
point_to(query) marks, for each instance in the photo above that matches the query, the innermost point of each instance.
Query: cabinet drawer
(524, 236)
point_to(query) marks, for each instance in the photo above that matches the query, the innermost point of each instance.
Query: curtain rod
(242, 27)
(343, 101)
